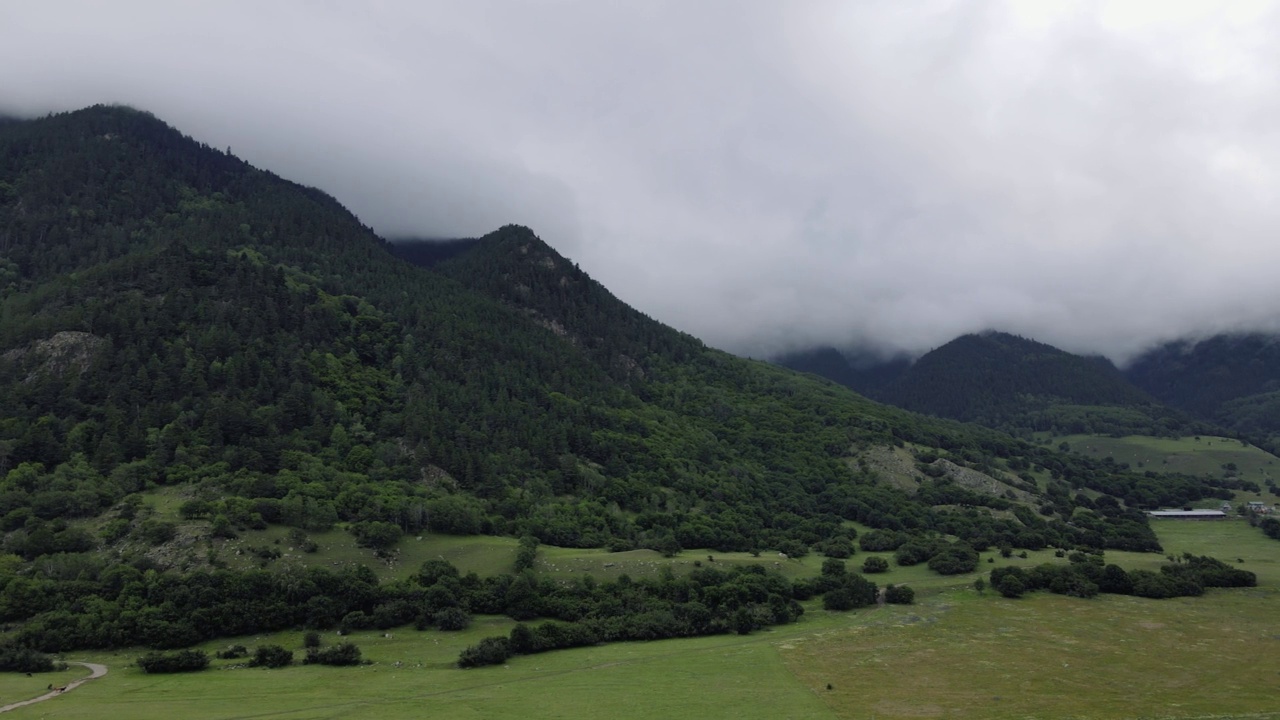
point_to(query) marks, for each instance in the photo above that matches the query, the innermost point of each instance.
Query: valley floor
(955, 654)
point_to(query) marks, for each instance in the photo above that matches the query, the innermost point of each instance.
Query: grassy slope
(1205, 456)
(1042, 656)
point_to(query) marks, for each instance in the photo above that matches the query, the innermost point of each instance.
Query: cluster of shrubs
(943, 558)
(341, 654)
(15, 658)
(1086, 576)
(1270, 527)
(524, 640)
(173, 662)
(264, 656)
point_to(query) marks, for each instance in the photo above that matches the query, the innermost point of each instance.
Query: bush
(344, 654)
(527, 554)
(181, 661)
(839, 548)
(838, 600)
(881, 540)
(233, 652)
(1010, 586)
(377, 535)
(452, 619)
(25, 660)
(1270, 527)
(954, 560)
(899, 595)
(854, 591)
(914, 553)
(489, 651)
(874, 565)
(271, 656)
(311, 639)
(157, 532)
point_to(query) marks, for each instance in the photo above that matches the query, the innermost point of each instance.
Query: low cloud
(763, 175)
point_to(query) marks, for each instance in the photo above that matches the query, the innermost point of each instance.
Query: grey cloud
(765, 175)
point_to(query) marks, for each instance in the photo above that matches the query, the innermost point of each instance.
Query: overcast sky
(765, 175)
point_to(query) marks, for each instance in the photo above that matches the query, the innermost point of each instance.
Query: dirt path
(96, 671)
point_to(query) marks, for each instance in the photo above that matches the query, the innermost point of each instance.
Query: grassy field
(954, 654)
(1205, 456)
(958, 655)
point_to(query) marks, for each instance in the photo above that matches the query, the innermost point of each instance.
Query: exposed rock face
(69, 351)
(981, 482)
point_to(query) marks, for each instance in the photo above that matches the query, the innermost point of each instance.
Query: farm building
(1187, 514)
(1259, 507)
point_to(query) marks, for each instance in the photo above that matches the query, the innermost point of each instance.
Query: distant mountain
(1230, 380)
(865, 374)
(1011, 383)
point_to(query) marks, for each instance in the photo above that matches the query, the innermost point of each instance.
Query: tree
(181, 661)
(1010, 586)
(833, 567)
(452, 618)
(980, 585)
(899, 595)
(271, 656)
(489, 651)
(342, 654)
(874, 564)
(954, 560)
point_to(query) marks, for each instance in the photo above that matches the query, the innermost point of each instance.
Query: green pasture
(959, 655)
(1205, 456)
(955, 654)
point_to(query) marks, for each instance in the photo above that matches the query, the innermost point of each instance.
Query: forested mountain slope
(1230, 380)
(173, 317)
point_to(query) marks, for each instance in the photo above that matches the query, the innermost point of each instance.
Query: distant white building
(1187, 514)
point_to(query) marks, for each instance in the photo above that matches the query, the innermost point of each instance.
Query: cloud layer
(765, 175)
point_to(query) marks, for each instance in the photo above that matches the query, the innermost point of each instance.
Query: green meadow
(1203, 455)
(954, 654)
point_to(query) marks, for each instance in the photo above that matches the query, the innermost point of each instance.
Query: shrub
(157, 532)
(233, 652)
(914, 553)
(377, 535)
(24, 660)
(899, 595)
(271, 656)
(874, 565)
(311, 639)
(839, 548)
(1010, 586)
(489, 651)
(527, 554)
(954, 560)
(881, 540)
(181, 661)
(452, 619)
(344, 654)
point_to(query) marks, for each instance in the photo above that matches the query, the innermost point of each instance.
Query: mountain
(192, 348)
(866, 375)
(428, 253)
(1017, 385)
(1230, 380)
